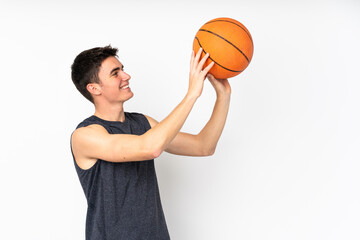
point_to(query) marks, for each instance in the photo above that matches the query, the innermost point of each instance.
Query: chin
(130, 96)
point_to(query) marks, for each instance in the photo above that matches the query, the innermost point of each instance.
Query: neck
(110, 112)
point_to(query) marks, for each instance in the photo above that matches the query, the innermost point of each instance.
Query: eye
(115, 74)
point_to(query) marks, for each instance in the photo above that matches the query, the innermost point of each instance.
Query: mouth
(125, 87)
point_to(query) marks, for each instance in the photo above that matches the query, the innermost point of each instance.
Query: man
(114, 150)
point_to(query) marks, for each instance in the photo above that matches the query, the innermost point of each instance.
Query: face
(114, 82)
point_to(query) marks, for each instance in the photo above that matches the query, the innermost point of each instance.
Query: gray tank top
(123, 198)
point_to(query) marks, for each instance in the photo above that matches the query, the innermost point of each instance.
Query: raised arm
(93, 142)
(204, 143)
(211, 133)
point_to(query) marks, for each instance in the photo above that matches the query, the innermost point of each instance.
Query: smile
(125, 87)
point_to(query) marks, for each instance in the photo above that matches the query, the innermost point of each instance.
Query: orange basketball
(230, 46)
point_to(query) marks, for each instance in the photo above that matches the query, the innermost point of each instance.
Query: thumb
(210, 77)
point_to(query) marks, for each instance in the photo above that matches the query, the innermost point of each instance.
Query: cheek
(116, 84)
(111, 87)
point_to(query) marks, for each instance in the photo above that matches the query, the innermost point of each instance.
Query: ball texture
(230, 46)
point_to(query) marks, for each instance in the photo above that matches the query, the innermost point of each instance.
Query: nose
(125, 76)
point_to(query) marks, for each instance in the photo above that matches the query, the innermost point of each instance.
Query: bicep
(94, 142)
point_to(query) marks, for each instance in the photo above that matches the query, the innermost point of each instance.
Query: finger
(192, 59)
(212, 80)
(192, 56)
(210, 77)
(207, 69)
(202, 62)
(197, 57)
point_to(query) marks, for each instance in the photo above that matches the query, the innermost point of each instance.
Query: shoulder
(87, 132)
(88, 121)
(88, 125)
(151, 121)
(83, 140)
(143, 118)
(134, 115)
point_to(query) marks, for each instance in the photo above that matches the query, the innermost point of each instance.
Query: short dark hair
(85, 68)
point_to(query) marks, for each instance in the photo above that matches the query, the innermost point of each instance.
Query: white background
(287, 165)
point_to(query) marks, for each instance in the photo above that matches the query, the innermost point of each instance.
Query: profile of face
(114, 82)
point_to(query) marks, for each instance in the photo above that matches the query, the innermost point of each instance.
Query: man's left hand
(221, 86)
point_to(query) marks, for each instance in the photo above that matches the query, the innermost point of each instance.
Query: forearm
(159, 137)
(211, 133)
(164, 132)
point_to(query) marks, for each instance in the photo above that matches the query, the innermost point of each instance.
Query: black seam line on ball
(215, 61)
(235, 24)
(204, 30)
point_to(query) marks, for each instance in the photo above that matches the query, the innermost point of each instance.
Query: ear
(94, 88)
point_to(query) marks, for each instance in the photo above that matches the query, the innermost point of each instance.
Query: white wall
(287, 164)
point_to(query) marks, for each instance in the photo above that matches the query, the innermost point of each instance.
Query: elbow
(209, 152)
(151, 150)
(151, 153)
(155, 153)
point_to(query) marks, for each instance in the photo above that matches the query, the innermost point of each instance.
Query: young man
(114, 150)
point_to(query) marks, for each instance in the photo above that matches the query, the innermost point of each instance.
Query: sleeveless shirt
(123, 198)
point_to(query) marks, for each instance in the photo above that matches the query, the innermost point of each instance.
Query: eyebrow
(116, 69)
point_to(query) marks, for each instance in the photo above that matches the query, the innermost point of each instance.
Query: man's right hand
(197, 73)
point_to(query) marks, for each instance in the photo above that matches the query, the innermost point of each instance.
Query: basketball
(229, 44)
